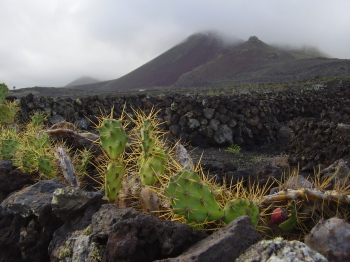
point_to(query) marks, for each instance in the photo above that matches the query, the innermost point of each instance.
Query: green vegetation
(234, 149)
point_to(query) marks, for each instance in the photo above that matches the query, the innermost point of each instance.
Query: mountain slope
(204, 60)
(165, 69)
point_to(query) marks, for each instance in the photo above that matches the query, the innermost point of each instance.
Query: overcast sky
(53, 42)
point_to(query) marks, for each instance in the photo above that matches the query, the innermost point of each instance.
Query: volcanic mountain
(204, 60)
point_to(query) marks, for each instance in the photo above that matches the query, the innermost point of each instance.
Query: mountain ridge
(205, 59)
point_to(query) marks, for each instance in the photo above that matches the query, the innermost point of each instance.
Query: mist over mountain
(84, 80)
(207, 59)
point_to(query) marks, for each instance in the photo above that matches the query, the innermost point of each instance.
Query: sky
(53, 42)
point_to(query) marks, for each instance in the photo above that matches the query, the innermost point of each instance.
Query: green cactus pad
(146, 136)
(192, 198)
(46, 165)
(113, 137)
(38, 118)
(40, 140)
(29, 160)
(113, 179)
(8, 148)
(3, 92)
(6, 115)
(152, 167)
(241, 207)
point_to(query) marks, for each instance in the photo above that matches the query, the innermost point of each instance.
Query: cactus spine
(113, 139)
(152, 161)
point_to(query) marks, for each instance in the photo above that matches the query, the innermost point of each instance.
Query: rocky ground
(252, 162)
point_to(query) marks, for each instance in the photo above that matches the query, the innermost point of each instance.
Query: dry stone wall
(314, 142)
(249, 119)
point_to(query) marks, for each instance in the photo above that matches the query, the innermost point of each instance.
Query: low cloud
(51, 43)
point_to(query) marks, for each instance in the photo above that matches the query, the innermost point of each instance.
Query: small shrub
(234, 149)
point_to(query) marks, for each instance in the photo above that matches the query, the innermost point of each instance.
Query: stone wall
(314, 142)
(249, 119)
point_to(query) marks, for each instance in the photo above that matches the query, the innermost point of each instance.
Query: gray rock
(226, 244)
(31, 200)
(208, 112)
(6, 164)
(224, 135)
(296, 182)
(83, 123)
(183, 157)
(74, 241)
(27, 223)
(69, 201)
(339, 171)
(279, 250)
(214, 124)
(55, 119)
(193, 123)
(133, 236)
(331, 238)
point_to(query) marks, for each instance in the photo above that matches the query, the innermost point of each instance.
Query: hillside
(206, 60)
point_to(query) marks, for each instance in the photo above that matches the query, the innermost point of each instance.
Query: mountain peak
(254, 39)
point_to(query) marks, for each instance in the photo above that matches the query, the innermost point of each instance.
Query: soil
(247, 162)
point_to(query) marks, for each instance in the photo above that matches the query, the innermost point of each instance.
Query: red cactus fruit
(279, 215)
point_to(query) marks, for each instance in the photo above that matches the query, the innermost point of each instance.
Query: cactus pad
(3, 92)
(153, 166)
(8, 148)
(6, 115)
(146, 136)
(38, 118)
(192, 198)
(46, 165)
(113, 137)
(113, 179)
(29, 160)
(241, 207)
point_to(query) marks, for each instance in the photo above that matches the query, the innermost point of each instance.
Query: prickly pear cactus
(40, 140)
(192, 198)
(113, 137)
(3, 92)
(8, 148)
(46, 165)
(38, 118)
(153, 166)
(147, 142)
(152, 161)
(29, 161)
(6, 115)
(113, 179)
(241, 207)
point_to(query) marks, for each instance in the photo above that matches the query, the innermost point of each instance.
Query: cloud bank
(51, 43)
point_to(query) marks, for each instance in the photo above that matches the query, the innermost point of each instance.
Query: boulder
(226, 244)
(133, 236)
(331, 238)
(280, 250)
(27, 223)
